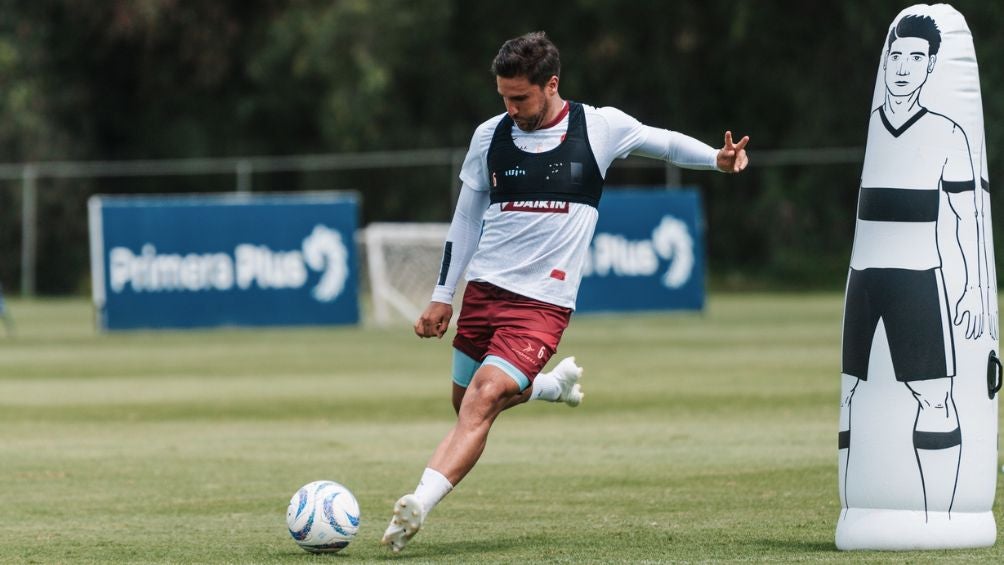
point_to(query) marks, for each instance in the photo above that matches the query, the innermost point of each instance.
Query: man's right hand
(435, 320)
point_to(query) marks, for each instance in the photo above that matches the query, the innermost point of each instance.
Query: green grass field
(703, 438)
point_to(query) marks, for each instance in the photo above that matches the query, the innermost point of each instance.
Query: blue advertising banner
(224, 260)
(647, 253)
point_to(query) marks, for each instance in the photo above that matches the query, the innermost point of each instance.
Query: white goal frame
(399, 291)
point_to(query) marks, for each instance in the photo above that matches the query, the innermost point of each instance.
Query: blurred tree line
(149, 79)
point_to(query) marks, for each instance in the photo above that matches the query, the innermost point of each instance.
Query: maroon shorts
(522, 331)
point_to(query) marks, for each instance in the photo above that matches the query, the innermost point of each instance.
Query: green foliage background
(151, 79)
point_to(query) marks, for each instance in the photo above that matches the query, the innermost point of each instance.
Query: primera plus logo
(616, 255)
(249, 266)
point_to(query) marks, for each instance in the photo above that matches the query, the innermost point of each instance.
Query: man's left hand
(732, 157)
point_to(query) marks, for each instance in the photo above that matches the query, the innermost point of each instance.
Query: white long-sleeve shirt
(535, 253)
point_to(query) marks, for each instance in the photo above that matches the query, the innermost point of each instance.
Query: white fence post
(244, 169)
(29, 228)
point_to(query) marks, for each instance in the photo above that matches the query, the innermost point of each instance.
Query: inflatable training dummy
(918, 413)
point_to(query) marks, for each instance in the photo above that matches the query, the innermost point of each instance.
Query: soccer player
(527, 209)
(896, 274)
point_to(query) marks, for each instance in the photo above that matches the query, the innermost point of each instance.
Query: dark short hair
(917, 26)
(532, 56)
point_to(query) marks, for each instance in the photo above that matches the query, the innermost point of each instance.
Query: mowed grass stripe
(703, 438)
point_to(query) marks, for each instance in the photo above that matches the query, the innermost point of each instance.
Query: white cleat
(568, 373)
(407, 520)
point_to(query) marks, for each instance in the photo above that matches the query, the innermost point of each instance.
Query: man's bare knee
(490, 392)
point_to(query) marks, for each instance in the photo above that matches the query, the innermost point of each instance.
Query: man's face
(526, 103)
(907, 65)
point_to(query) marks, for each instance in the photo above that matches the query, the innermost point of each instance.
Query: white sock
(545, 387)
(432, 488)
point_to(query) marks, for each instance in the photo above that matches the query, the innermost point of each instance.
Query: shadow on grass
(789, 546)
(508, 549)
(466, 551)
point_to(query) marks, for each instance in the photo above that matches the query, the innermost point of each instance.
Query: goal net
(402, 264)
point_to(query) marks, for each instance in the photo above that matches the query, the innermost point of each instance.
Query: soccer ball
(323, 517)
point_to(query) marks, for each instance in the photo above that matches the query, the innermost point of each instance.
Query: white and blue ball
(323, 517)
